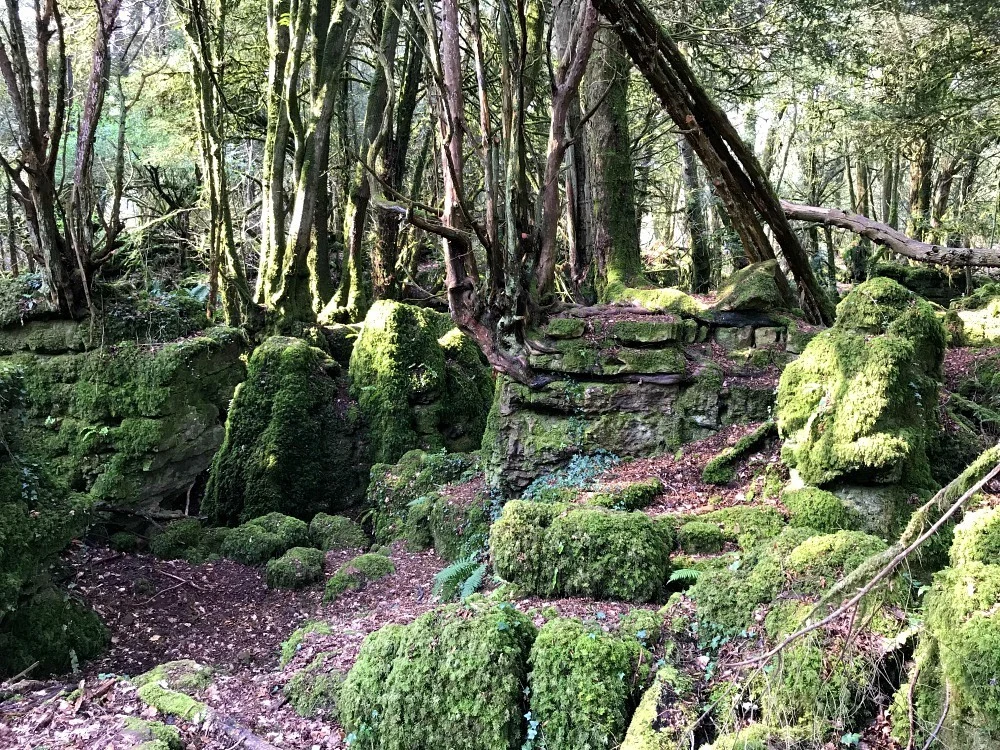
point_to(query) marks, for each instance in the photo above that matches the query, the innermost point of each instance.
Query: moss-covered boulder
(336, 533)
(859, 406)
(977, 538)
(293, 439)
(760, 287)
(419, 382)
(358, 573)
(700, 537)
(170, 687)
(584, 684)
(455, 677)
(663, 720)
(979, 316)
(813, 508)
(261, 539)
(315, 688)
(296, 569)
(555, 549)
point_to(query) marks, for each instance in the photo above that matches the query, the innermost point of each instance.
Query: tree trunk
(733, 169)
(694, 215)
(921, 166)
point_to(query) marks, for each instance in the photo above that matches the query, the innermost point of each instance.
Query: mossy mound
(746, 524)
(291, 646)
(977, 538)
(394, 488)
(315, 688)
(296, 569)
(665, 299)
(459, 525)
(154, 735)
(357, 573)
(169, 687)
(177, 539)
(293, 441)
(627, 497)
(124, 541)
(419, 382)
(930, 282)
(261, 539)
(328, 533)
(760, 287)
(51, 628)
(700, 537)
(647, 731)
(979, 316)
(584, 684)
(860, 403)
(455, 677)
(555, 549)
(813, 508)
(821, 560)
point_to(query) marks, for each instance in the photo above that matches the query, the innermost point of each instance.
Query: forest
(499, 374)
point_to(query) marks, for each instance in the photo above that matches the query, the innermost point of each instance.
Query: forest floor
(223, 615)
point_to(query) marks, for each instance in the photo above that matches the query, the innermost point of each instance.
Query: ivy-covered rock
(555, 549)
(293, 439)
(419, 382)
(584, 684)
(260, 539)
(860, 404)
(455, 677)
(357, 573)
(328, 533)
(296, 569)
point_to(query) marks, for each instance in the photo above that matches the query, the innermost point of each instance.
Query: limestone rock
(760, 287)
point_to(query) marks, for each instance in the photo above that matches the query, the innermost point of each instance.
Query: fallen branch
(883, 234)
(235, 731)
(192, 584)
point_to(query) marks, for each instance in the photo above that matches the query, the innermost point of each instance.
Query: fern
(448, 583)
(685, 575)
(473, 582)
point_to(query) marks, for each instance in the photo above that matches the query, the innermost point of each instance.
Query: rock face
(419, 382)
(293, 439)
(630, 384)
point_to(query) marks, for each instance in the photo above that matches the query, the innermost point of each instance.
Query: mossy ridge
(290, 445)
(554, 549)
(455, 677)
(153, 732)
(584, 684)
(419, 382)
(700, 537)
(357, 573)
(291, 646)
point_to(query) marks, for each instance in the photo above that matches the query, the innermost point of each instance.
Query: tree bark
(921, 167)
(694, 216)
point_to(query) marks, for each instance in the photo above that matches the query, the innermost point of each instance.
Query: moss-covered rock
(293, 440)
(154, 735)
(291, 646)
(357, 573)
(813, 508)
(455, 677)
(554, 549)
(977, 538)
(821, 560)
(647, 731)
(124, 541)
(296, 569)
(629, 496)
(721, 469)
(185, 675)
(584, 684)
(860, 403)
(459, 523)
(760, 287)
(177, 539)
(261, 539)
(328, 533)
(666, 299)
(746, 524)
(419, 382)
(700, 537)
(315, 688)
(979, 314)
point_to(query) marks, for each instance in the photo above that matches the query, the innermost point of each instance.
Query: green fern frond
(685, 575)
(448, 582)
(473, 582)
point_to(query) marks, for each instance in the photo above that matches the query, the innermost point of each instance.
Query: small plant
(460, 580)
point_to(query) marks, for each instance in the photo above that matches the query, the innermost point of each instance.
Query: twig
(944, 715)
(910, 709)
(162, 591)
(192, 584)
(23, 673)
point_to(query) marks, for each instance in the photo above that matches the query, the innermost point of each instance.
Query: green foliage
(564, 484)
(460, 580)
(177, 539)
(455, 677)
(419, 382)
(584, 684)
(291, 646)
(861, 400)
(632, 496)
(261, 539)
(977, 538)
(328, 533)
(296, 569)
(291, 443)
(699, 537)
(644, 625)
(315, 688)
(746, 524)
(563, 550)
(356, 574)
(124, 541)
(821, 560)
(813, 508)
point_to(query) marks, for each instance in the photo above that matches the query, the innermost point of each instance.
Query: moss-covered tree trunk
(921, 166)
(694, 216)
(610, 188)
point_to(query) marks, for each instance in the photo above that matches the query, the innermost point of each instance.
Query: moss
(172, 703)
(455, 677)
(699, 537)
(185, 675)
(554, 549)
(459, 527)
(861, 401)
(315, 688)
(761, 737)
(52, 629)
(977, 538)
(419, 382)
(177, 539)
(584, 684)
(155, 731)
(296, 569)
(746, 524)
(644, 625)
(292, 441)
(356, 574)
(565, 328)
(821, 560)
(632, 496)
(124, 541)
(394, 488)
(721, 469)
(263, 538)
(818, 509)
(291, 646)
(651, 332)
(646, 731)
(667, 300)
(328, 533)
(756, 288)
